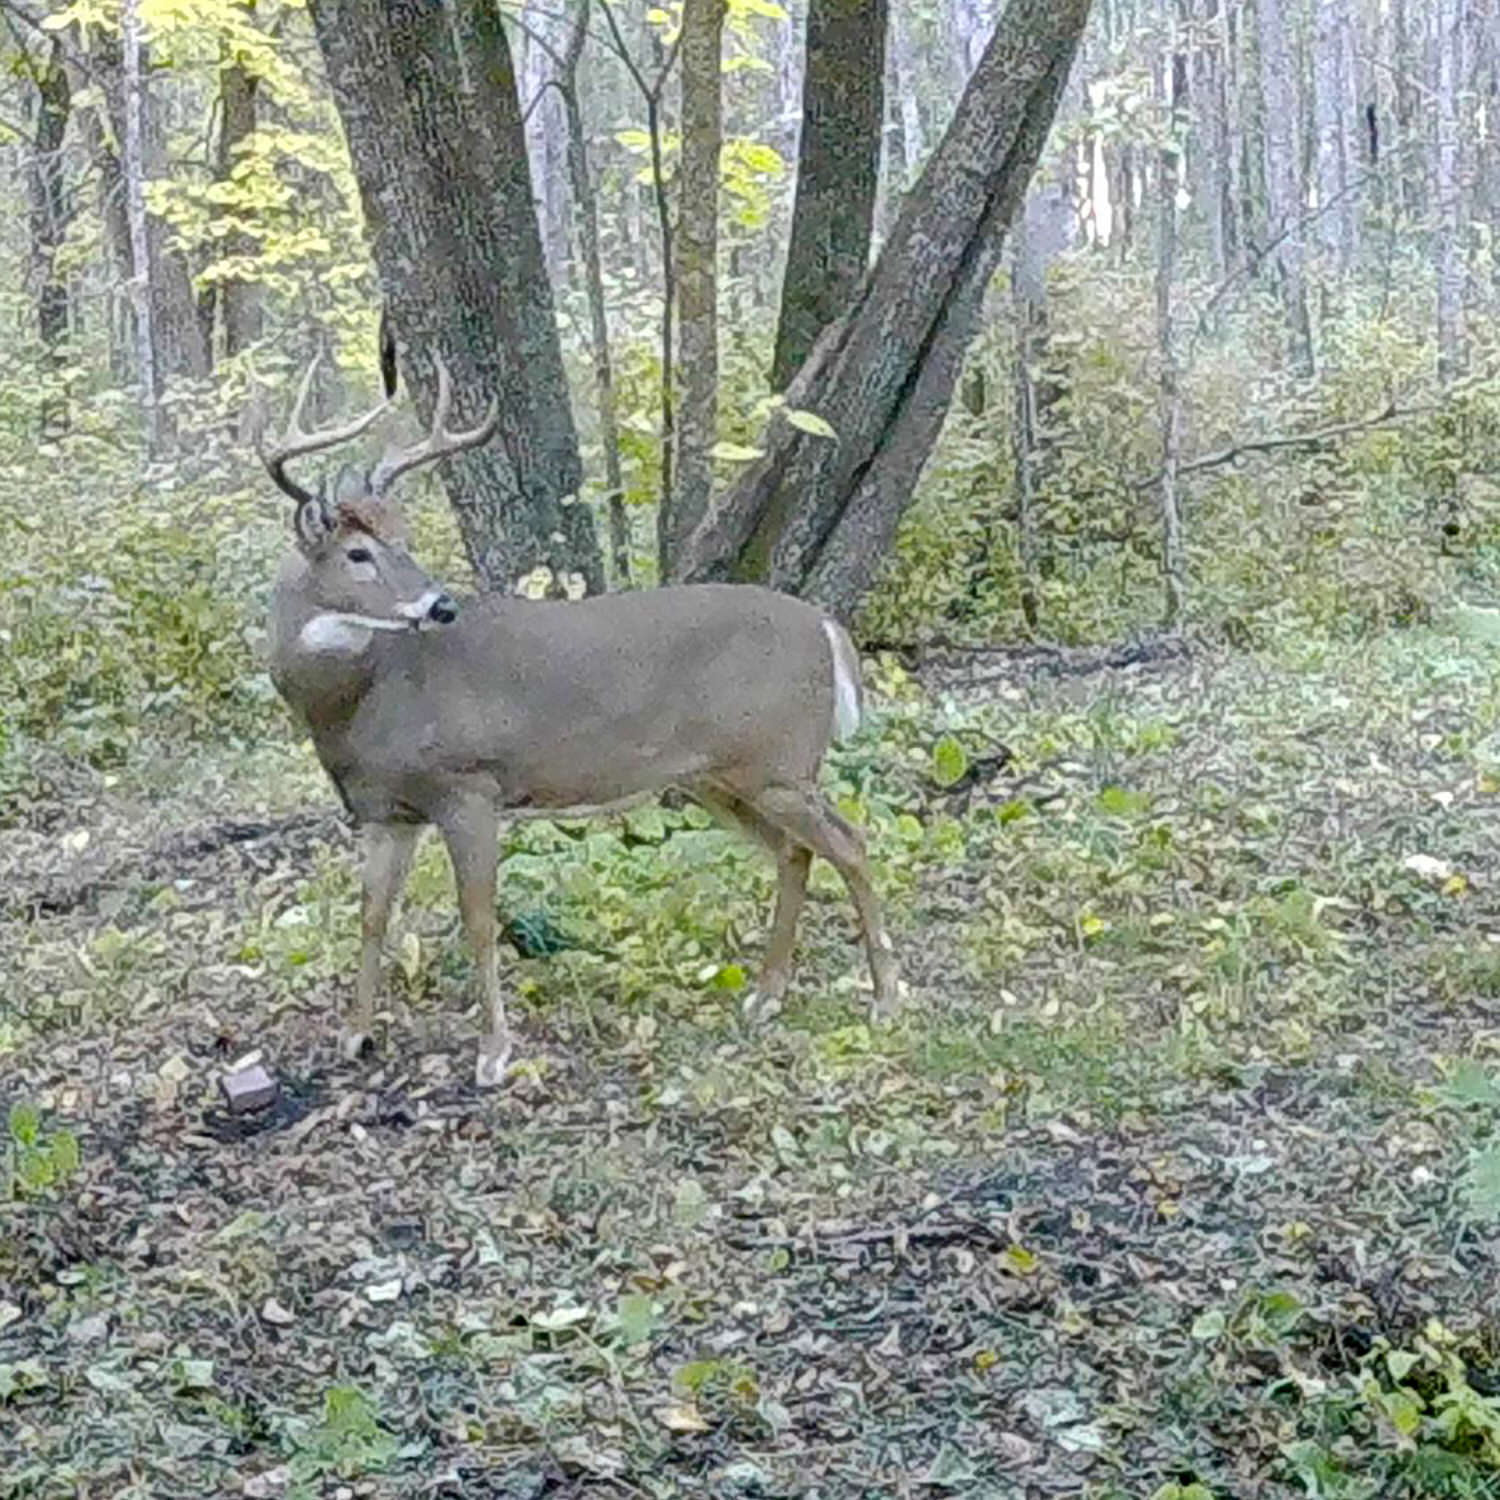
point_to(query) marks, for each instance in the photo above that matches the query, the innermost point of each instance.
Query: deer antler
(438, 443)
(295, 443)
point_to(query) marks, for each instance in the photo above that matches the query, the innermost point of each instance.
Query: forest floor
(1178, 1176)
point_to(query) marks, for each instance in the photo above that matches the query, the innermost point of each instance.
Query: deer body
(513, 699)
(423, 712)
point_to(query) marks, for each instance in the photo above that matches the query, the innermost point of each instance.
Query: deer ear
(314, 522)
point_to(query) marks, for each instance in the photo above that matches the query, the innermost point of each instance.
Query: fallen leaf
(680, 1416)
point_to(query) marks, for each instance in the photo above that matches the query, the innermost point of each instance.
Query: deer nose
(444, 611)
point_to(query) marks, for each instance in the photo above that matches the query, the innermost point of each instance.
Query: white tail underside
(846, 692)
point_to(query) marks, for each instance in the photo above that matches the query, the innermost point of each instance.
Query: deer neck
(322, 661)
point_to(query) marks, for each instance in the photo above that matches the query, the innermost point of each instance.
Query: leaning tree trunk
(427, 93)
(823, 511)
(48, 205)
(838, 169)
(697, 275)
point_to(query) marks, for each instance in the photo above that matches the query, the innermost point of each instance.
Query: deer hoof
(354, 1044)
(761, 1004)
(491, 1067)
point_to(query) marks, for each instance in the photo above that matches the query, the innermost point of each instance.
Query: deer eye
(360, 555)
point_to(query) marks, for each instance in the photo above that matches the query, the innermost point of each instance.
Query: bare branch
(1389, 413)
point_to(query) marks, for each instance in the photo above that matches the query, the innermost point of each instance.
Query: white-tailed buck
(424, 712)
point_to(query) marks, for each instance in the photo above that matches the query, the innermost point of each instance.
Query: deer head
(356, 573)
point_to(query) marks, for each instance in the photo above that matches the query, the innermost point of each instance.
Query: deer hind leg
(388, 851)
(805, 818)
(471, 834)
(792, 863)
(792, 866)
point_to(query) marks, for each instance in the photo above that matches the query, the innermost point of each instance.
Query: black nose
(444, 611)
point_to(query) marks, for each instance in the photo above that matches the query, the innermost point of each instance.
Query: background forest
(1126, 375)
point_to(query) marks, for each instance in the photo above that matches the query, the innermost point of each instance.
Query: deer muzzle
(434, 607)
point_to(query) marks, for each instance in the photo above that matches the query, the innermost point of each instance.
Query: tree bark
(838, 165)
(1279, 99)
(1448, 189)
(586, 216)
(1170, 395)
(546, 136)
(822, 512)
(177, 343)
(697, 274)
(427, 94)
(133, 103)
(240, 300)
(49, 216)
(1337, 134)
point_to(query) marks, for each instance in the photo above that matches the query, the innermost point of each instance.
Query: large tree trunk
(48, 214)
(697, 274)
(838, 164)
(822, 512)
(427, 93)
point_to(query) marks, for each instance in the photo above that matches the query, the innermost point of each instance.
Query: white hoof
(490, 1068)
(354, 1044)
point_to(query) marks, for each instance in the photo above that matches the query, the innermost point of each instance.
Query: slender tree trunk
(240, 301)
(1043, 230)
(838, 162)
(49, 215)
(427, 93)
(176, 330)
(1452, 57)
(1408, 59)
(1336, 134)
(586, 217)
(697, 273)
(1173, 572)
(133, 85)
(176, 335)
(1279, 100)
(903, 47)
(823, 511)
(892, 179)
(546, 134)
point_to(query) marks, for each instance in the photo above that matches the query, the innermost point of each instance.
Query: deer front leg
(472, 833)
(388, 850)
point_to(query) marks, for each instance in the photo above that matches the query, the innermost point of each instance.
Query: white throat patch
(341, 634)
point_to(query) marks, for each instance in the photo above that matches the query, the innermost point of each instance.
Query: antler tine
(295, 443)
(439, 442)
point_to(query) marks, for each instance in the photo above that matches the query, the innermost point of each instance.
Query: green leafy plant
(36, 1161)
(348, 1442)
